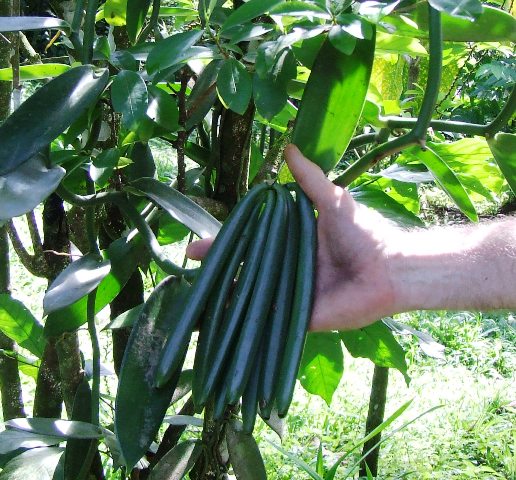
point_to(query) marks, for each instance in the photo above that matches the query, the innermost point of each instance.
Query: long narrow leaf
(17, 24)
(179, 207)
(298, 462)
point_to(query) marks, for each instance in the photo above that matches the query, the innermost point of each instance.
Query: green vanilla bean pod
(240, 299)
(250, 395)
(280, 312)
(301, 305)
(261, 299)
(213, 316)
(222, 248)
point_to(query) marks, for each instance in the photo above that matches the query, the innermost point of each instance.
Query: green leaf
(63, 429)
(75, 281)
(136, 13)
(398, 44)
(172, 50)
(234, 86)
(184, 386)
(40, 463)
(244, 453)
(170, 230)
(103, 166)
(125, 319)
(377, 343)
(387, 206)
(27, 366)
(297, 8)
(20, 325)
(13, 439)
(17, 24)
(143, 162)
(467, 9)
(503, 146)
(179, 206)
(248, 11)
(446, 179)
(322, 364)
(342, 40)
(269, 97)
(35, 72)
(140, 406)
(256, 161)
(115, 12)
(23, 189)
(124, 257)
(47, 113)
(130, 98)
(163, 109)
(183, 420)
(176, 463)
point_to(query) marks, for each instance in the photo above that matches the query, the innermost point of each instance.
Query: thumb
(311, 178)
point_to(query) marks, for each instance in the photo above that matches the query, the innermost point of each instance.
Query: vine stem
(504, 116)
(120, 200)
(89, 31)
(418, 133)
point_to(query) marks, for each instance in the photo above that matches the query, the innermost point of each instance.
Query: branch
(35, 264)
(440, 125)
(418, 133)
(35, 237)
(121, 201)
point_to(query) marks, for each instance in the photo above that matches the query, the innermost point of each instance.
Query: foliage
(218, 82)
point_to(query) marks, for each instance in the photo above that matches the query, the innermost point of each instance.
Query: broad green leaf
(20, 325)
(23, 189)
(28, 366)
(163, 109)
(248, 11)
(256, 161)
(75, 281)
(426, 342)
(13, 439)
(177, 462)
(179, 12)
(447, 180)
(405, 193)
(143, 162)
(38, 463)
(387, 43)
(63, 429)
(130, 98)
(472, 162)
(103, 165)
(76, 450)
(179, 207)
(342, 40)
(467, 9)
(140, 406)
(115, 12)
(503, 146)
(17, 24)
(136, 13)
(269, 97)
(387, 206)
(47, 113)
(172, 50)
(126, 319)
(492, 25)
(244, 453)
(355, 25)
(170, 230)
(246, 32)
(322, 364)
(407, 173)
(377, 343)
(234, 86)
(35, 72)
(124, 257)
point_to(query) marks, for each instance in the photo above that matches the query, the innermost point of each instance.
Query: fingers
(312, 179)
(198, 250)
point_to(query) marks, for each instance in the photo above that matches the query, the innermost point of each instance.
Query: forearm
(456, 268)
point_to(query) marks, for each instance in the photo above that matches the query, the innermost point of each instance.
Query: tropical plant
(226, 85)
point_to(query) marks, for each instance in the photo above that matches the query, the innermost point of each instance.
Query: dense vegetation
(129, 126)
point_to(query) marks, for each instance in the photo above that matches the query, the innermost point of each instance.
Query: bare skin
(367, 268)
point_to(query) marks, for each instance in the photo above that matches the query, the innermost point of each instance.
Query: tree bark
(375, 416)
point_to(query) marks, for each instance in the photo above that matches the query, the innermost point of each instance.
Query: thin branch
(153, 21)
(37, 244)
(182, 134)
(35, 264)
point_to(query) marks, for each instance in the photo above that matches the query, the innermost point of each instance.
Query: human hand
(353, 285)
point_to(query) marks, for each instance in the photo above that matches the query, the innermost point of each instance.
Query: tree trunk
(375, 415)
